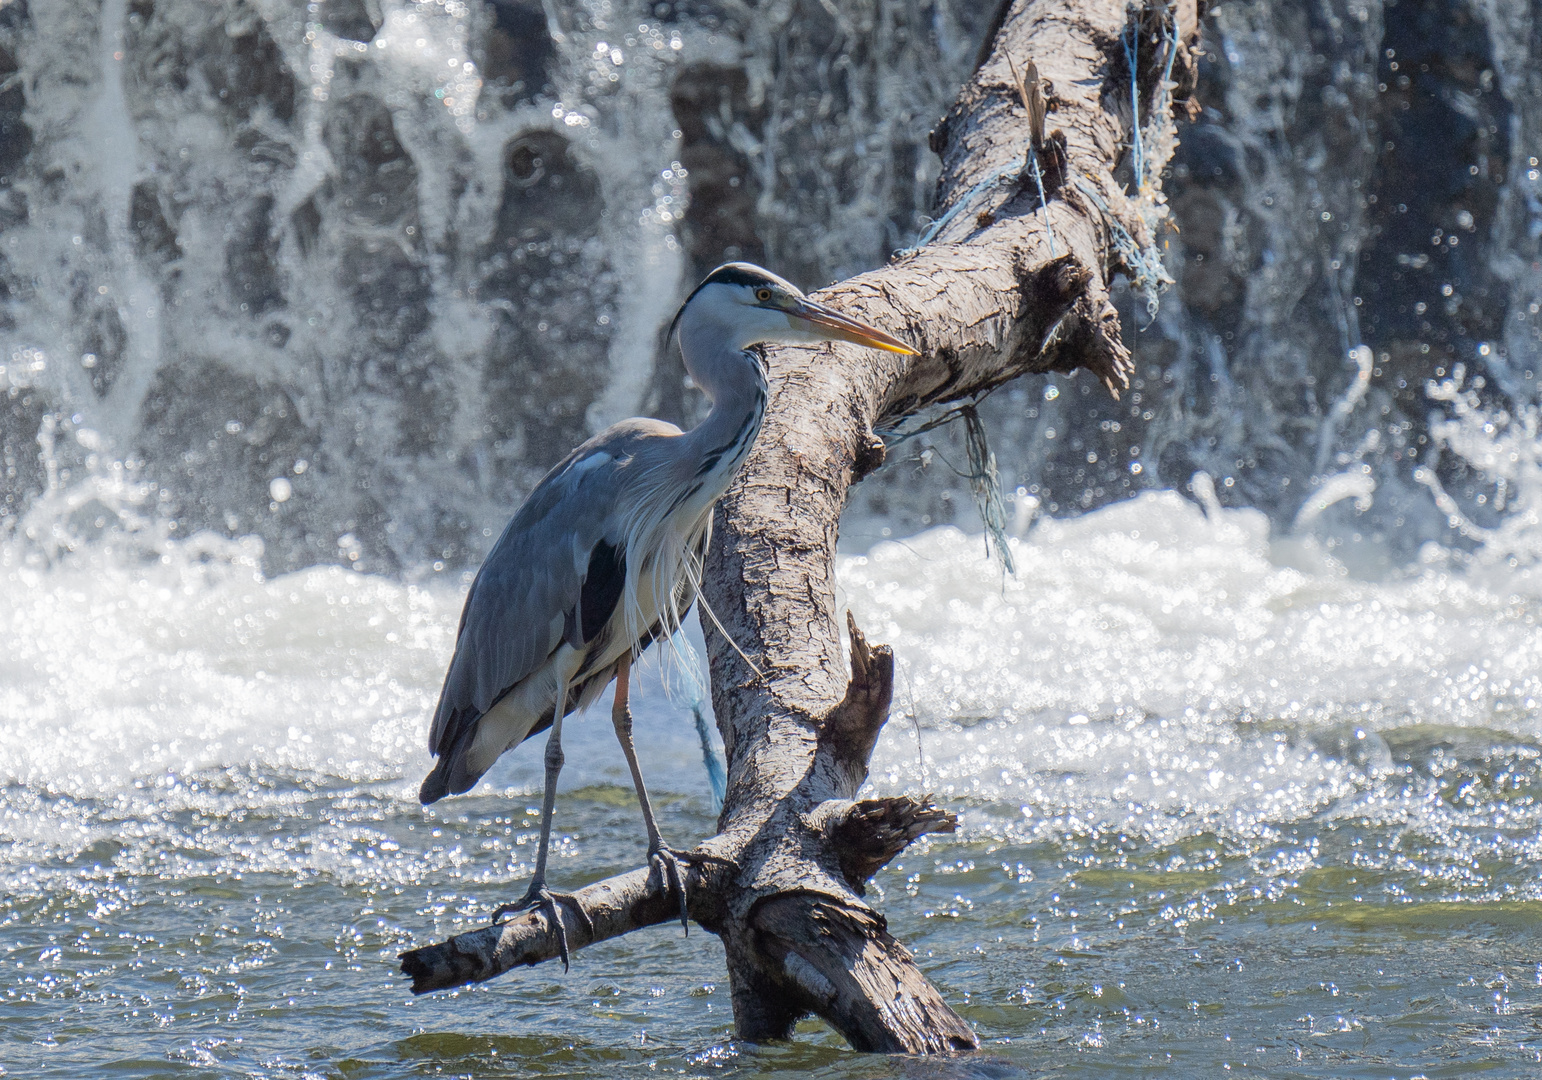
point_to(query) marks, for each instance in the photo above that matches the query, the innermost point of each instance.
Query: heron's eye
(762, 295)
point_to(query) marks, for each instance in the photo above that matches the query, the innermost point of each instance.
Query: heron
(605, 555)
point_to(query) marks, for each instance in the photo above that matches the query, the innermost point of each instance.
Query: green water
(1221, 815)
(1337, 950)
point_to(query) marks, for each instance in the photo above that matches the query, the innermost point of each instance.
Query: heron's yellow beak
(833, 325)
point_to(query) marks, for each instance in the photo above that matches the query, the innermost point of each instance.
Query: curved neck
(718, 359)
(735, 382)
(732, 377)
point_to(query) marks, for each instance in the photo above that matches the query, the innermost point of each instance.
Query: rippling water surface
(1225, 808)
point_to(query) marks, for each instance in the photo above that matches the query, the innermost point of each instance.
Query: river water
(1237, 794)
(1225, 807)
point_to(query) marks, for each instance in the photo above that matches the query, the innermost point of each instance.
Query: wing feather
(532, 581)
(604, 582)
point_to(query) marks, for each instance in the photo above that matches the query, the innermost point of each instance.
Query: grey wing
(559, 557)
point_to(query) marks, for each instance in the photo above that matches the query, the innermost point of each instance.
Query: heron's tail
(436, 785)
(453, 774)
(716, 773)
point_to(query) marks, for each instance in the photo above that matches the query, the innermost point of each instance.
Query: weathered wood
(840, 961)
(874, 831)
(866, 834)
(615, 906)
(1009, 286)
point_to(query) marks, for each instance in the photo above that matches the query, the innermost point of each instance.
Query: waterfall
(347, 276)
(1358, 215)
(343, 276)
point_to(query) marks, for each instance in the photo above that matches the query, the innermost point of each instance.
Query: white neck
(714, 336)
(734, 381)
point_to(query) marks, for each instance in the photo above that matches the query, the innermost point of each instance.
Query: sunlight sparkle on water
(1169, 736)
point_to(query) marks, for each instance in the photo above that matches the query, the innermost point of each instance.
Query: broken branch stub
(1006, 286)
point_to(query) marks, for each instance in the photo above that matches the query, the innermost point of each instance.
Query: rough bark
(1008, 287)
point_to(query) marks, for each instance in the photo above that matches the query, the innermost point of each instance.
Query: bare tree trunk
(1008, 286)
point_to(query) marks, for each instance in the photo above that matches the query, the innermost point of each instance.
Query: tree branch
(1009, 285)
(615, 906)
(868, 834)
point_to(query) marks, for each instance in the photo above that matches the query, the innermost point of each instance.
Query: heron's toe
(539, 896)
(671, 878)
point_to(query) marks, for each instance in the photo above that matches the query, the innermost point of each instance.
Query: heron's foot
(668, 862)
(540, 896)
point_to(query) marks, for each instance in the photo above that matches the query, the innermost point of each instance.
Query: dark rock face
(15, 136)
(1324, 200)
(1444, 130)
(708, 100)
(294, 274)
(402, 260)
(254, 430)
(517, 52)
(810, 154)
(1269, 199)
(350, 19)
(375, 180)
(241, 65)
(825, 128)
(1358, 178)
(544, 269)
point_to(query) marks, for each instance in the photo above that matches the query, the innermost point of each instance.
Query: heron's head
(740, 304)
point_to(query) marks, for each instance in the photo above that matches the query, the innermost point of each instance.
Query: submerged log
(1011, 283)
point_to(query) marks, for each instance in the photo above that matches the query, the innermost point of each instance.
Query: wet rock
(710, 101)
(22, 471)
(356, 20)
(15, 135)
(244, 68)
(230, 435)
(376, 180)
(1444, 129)
(155, 239)
(549, 281)
(251, 252)
(517, 50)
(441, 307)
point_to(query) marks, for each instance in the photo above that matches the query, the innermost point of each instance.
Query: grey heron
(605, 555)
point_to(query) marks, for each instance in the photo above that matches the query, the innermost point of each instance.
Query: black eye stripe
(735, 274)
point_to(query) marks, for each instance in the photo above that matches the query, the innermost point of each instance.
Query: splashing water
(1505, 446)
(1166, 724)
(1152, 671)
(302, 250)
(352, 268)
(351, 275)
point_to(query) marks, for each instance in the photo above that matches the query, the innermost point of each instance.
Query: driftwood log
(1009, 285)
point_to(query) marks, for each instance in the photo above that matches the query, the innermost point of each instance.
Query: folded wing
(555, 575)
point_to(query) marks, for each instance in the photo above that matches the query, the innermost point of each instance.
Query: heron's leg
(554, 760)
(538, 895)
(621, 717)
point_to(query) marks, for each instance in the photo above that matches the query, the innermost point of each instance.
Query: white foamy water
(1155, 671)
(1146, 656)
(115, 675)
(1167, 724)
(132, 695)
